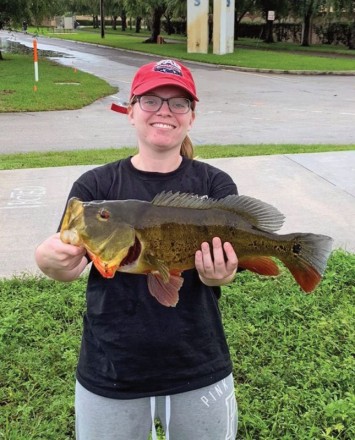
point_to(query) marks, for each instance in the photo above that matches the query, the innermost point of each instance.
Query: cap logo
(168, 66)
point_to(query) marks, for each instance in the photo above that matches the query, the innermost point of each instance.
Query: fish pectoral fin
(159, 265)
(167, 293)
(260, 265)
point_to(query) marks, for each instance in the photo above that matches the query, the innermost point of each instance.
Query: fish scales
(176, 235)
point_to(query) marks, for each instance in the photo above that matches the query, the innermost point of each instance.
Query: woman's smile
(163, 125)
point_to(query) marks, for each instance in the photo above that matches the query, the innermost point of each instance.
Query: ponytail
(187, 149)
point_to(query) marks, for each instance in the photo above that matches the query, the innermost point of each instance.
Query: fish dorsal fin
(182, 200)
(256, 212)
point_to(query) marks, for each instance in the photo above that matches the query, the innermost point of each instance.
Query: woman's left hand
(216, 267)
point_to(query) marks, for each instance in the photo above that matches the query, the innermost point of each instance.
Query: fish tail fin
(308, 259)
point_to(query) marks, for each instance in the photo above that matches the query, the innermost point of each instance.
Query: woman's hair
(187, 149)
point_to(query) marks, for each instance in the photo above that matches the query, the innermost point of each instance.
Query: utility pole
(102, 20)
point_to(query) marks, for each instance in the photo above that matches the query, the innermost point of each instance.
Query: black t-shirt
(132, 346)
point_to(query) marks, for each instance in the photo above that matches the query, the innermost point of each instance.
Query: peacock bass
(160, 238)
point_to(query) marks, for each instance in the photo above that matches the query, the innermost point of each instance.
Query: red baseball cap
(163, 73)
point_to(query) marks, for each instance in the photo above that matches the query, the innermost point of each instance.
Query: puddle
(10, 46)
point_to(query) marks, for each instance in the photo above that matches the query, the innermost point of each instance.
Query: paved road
(236, 107)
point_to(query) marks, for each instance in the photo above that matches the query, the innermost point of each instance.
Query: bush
(174, 26)
(282, 31)
(337, 33)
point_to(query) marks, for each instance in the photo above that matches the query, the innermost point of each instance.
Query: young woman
(140, 360)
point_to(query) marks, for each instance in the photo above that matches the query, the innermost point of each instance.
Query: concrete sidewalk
(316, 192)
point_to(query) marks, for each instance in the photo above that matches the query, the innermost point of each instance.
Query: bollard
(35, 60)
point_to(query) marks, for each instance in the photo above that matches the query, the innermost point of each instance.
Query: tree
(350, 7)
(115, 9)
(153, 10)
(346, 8)
(157, 9)
(306, 9)
(13, 12)
(85, 7)
(137, 9)
(41, 9)
(280, 7)
(242, 7)
(175, 9)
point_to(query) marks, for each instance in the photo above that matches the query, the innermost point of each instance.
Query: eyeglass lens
(151, 103)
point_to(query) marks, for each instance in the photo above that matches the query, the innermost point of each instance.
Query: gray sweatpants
(208, 413)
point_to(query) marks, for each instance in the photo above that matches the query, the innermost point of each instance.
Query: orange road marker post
(35, 60)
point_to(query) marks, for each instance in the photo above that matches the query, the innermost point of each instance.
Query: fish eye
(104, 214)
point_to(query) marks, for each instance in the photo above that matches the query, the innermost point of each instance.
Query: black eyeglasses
(152, 103)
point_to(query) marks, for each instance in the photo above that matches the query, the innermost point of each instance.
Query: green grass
(282, 59)
(97, 157)
(59, 87)
(293, 355)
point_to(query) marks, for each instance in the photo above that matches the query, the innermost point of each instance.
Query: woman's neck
(159, 163)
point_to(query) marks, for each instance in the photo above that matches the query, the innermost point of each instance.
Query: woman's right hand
(60, 261)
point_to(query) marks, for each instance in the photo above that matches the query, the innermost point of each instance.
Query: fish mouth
(72, 221)
(132, 254)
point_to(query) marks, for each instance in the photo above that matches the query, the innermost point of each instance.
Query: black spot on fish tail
(308, 258)
(133, 253)
(297, 248)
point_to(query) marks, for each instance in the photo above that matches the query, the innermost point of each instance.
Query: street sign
(271, 15)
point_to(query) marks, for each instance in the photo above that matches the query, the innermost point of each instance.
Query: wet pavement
(235, 107)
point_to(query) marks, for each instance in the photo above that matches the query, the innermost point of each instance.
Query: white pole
(35, 60)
